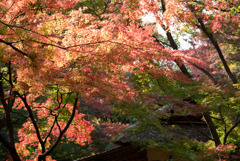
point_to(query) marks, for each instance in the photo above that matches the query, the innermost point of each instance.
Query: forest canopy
(70, 70)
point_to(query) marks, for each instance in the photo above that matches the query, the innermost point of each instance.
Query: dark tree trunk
(184, 71)
(14, 154)
(212, 128)
(215, 44)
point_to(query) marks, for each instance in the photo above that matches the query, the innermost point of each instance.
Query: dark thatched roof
(178, 127)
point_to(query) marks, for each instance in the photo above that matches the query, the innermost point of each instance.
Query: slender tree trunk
(206, 115)
(178, 62)
(184, 71)
(174, 46)
(215, 44)
(212, 128)
(11, 149)
(8, 143)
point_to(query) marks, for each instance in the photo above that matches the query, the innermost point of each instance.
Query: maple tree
(54, 54)
(208, 21)
(211, 66)
(39, 59)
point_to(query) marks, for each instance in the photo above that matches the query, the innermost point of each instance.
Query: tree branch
(215, 82)
(30, 112)
(11, 149)
(231, 129)
(13, 47)
(90, 43)
(42, 156)
(7, 118)
(174, 46)
(222, 119)
(216, 118)
(212, 128)
(7, 110)
(200, 132)
(20, 114)
(161, 42)
(45, 139)
(215, 44)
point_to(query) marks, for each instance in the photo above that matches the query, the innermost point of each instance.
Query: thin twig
(19, 114)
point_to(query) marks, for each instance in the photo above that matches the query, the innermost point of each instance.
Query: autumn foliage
(53, 54)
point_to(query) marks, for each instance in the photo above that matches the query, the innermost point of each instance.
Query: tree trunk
(14, 155)
(212, 128)
(215, 44)
(206, 115)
